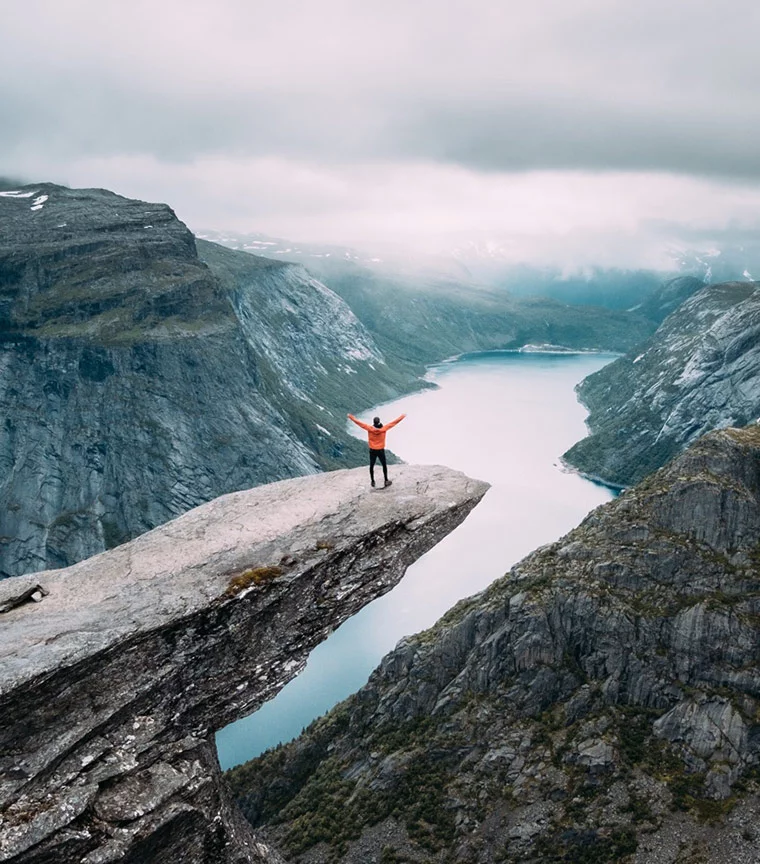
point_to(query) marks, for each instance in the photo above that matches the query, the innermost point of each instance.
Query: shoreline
(592, 478)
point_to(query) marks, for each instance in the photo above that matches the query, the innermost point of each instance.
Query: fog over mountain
(490, 264)
(596, 132)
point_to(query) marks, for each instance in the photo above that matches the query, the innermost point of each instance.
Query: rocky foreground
(699, 371)
(601, 702)
(113, 684)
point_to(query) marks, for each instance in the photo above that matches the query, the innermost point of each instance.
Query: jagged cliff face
(111, 687)
(137, 380)
(599, 700)
(700, 371)
(318, 354)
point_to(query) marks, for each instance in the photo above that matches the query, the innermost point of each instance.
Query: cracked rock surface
(112, 686)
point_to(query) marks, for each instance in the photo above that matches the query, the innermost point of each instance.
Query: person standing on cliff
(376, 433)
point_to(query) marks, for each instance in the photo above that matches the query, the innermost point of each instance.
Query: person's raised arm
(364, 426)
(394, 422)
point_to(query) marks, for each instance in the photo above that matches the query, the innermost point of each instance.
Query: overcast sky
(581, 122)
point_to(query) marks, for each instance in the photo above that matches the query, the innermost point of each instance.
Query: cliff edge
(113, 684)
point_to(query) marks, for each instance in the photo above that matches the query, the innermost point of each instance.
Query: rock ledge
(113, 685)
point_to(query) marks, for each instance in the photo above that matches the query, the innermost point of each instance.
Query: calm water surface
(499, 416)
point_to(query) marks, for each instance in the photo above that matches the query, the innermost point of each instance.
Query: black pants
(374, 455)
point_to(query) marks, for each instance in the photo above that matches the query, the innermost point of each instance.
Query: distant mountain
(699, 371)
(486, 265)
(613, 287)
(424, 310)
(330, 258)
(280, 249)
(425, 318)
(733, 256)
(668, 296)
(492, 264)
(139, 379)
(727, 262)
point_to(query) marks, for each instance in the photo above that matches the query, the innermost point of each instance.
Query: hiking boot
(388, 482)
(373, 483)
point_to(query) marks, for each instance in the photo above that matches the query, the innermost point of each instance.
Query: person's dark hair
(376, 423)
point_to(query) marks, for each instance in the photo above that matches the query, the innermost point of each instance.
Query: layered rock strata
(112, 686)
(700, 371)
(601, 702)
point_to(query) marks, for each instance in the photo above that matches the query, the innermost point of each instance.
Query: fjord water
(504, 417)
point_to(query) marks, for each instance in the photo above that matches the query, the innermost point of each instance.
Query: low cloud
(420, 119)
(565, 218)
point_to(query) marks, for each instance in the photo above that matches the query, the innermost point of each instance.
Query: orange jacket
(376, 434)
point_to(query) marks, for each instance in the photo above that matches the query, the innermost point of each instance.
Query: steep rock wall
(137, 380)
(700, 371)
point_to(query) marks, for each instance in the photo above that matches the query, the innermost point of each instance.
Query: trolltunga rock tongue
(112, 685)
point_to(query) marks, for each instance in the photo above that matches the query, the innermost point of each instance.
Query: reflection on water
(499, 416)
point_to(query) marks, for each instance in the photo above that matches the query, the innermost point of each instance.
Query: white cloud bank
(587, 123)
(611, 218)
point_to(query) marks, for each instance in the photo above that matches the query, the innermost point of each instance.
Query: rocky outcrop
(700, 371)
(600, 701)
(113, 684)
(138, 380)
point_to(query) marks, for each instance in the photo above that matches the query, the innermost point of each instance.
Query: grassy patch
(688, 790)
(390, 856)
(635, 733)
(711, 811)
(252, 577)
(330, 809)
(639, 809)
(393, 737)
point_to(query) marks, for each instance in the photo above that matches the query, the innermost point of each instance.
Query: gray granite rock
(112, 686)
